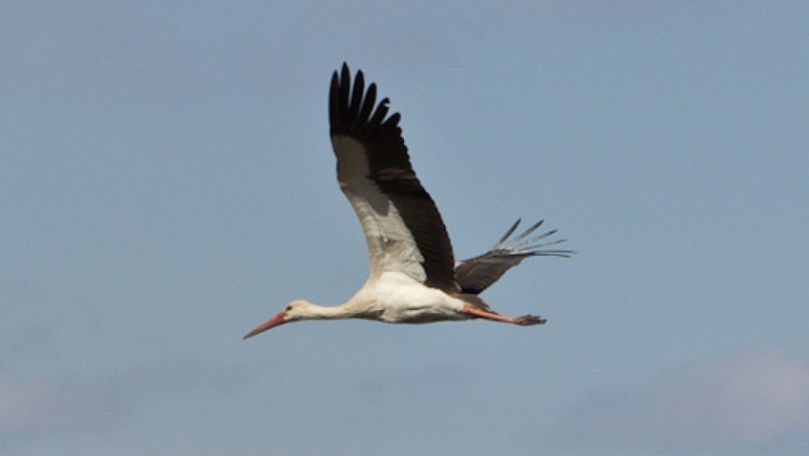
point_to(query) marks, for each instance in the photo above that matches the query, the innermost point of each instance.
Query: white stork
(414, 277)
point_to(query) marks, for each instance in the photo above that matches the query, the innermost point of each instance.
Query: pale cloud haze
(746, 401)
(45, 408)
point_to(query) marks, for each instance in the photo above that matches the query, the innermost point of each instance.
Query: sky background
(167, 183)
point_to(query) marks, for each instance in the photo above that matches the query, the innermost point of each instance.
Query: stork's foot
(525, 320)
(530, 320)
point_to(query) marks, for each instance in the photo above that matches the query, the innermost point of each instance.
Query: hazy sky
(167, 183)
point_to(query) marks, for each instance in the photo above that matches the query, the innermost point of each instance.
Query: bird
(413, 275)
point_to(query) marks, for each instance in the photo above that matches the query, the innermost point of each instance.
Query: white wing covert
(402, 226)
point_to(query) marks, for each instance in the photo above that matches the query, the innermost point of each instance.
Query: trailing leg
(525, 320)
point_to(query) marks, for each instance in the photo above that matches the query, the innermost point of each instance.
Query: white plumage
(413, 275)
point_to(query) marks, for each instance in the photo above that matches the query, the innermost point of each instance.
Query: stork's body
(413, 275)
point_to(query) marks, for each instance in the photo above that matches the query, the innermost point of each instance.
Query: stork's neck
(347, 310)
(316, 312)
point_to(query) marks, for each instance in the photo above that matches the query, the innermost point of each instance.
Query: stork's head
(296, 310)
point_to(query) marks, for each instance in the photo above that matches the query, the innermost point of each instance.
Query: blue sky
(167, 183)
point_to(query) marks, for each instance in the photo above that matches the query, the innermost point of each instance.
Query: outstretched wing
(402, 226)
(478, 273)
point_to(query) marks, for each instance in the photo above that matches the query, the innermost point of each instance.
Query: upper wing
(402, 226)
(478, 273)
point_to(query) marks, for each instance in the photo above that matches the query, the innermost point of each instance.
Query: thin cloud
(753, 400)
(33, 409)
(30, 410)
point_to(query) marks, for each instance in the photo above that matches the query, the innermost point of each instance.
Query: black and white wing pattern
(476, 274)
(402, 226)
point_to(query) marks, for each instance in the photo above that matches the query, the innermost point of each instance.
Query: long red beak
(269, 324)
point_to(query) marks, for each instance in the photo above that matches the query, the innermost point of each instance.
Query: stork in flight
(414, 277)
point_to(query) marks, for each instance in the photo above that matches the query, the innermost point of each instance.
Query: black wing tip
(392, 120)
(345, 72)
(508, 233)
(353, 107)
(525, 245)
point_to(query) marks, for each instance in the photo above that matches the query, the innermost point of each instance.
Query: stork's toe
(530, 320)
